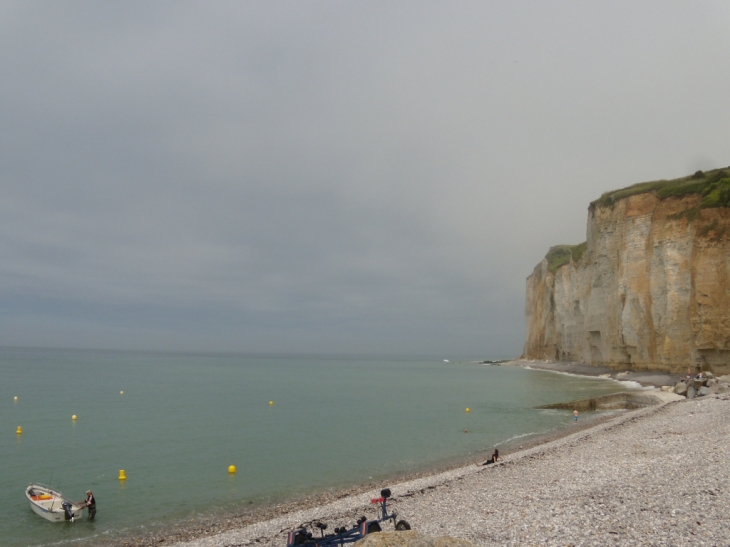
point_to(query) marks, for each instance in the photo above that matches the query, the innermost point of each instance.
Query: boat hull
(47, 503)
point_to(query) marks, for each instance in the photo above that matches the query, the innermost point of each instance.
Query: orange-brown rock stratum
(649, 290)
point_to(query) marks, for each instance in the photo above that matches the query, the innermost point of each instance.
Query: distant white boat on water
(446, 360)
(52, 505)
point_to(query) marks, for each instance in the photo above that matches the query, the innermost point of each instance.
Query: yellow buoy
(73, 417)
(122, 476)
(468, 409)
(15, 398)
(271, 403)
(231, 469)
(121, 393)
(19, 430)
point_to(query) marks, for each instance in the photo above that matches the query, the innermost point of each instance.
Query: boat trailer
(343, 535)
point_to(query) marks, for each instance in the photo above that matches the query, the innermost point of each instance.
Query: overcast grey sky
(374, 177)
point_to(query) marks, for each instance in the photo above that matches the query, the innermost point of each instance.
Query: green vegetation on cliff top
(713, 186)
(562, 254)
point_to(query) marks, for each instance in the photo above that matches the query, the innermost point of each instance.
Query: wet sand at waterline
(645, 378)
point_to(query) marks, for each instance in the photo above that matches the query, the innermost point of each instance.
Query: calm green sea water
(183, 419)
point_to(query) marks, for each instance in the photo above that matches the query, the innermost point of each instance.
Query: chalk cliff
(649, 290)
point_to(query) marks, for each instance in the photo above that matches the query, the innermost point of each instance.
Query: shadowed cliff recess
(649, 289)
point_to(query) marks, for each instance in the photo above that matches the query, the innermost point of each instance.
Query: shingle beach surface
(656, 476)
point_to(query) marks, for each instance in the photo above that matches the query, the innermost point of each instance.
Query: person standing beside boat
(90, 502)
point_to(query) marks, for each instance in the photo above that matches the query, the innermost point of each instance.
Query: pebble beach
(654, 476)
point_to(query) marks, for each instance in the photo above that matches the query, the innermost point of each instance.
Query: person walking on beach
(575, 415)
(90, 502)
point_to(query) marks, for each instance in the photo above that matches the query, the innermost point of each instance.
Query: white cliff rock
(651, 291)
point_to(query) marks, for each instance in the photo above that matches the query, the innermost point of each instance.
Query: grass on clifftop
(713, 186)
(562, 254)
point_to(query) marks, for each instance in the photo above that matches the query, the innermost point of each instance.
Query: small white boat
(52, 505)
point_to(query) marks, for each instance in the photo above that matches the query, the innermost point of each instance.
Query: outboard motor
(68, 511)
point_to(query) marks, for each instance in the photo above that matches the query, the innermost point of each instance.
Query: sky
(328, 177)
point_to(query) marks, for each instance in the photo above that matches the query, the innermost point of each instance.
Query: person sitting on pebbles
(493, 459)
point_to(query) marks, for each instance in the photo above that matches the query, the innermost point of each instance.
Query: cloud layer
(327, 176)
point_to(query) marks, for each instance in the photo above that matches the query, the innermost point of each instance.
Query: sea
(292, 425)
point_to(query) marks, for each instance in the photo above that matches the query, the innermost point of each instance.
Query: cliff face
(651, 291)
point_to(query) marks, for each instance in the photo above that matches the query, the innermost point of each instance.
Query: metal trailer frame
(302, 537)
